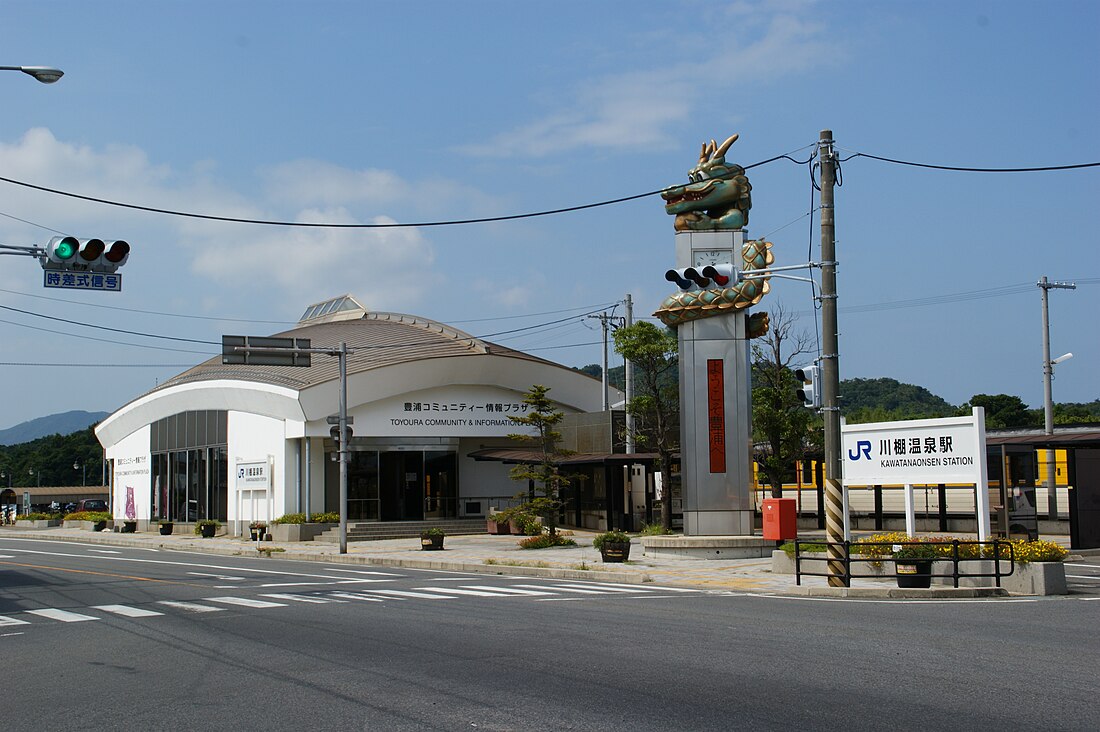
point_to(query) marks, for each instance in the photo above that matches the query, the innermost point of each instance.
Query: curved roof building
(250, 442)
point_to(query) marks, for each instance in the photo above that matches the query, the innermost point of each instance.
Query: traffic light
(85, 255)
(334, 431)
(688, 278)
(721, 274)
(809, 385)
(61, 250)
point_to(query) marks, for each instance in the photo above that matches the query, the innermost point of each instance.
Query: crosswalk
(272, 600)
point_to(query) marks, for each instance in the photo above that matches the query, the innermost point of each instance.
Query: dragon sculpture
(718, 196)
(717, 199)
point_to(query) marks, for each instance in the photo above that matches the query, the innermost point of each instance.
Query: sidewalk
(484, 553)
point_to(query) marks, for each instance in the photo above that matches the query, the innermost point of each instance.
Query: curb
(112, 539)
(893, 593)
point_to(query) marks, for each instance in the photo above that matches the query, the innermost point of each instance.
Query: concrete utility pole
(628, 375)
(1048, 401)
(830, 367)
(605, 321)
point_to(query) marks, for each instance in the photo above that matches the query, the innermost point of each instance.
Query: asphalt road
(95, 637)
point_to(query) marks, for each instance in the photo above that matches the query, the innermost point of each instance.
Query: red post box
(780, 519)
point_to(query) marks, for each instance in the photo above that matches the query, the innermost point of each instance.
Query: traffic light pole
(830, 368)
(289, 352)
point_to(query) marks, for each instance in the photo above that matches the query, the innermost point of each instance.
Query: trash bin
(780, 519)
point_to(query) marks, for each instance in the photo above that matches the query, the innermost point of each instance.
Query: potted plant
(129, 526)
(257, 530)
(614, 546)
(432, 539)
(497, 523)
(165, 527)
(99, 519)
(206, 528)
(913, 564)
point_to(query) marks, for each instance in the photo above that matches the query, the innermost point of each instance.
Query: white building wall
(254, 438)
(130, 485)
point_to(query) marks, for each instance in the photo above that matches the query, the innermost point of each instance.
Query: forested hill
(890, 399)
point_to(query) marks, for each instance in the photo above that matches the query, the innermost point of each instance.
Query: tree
(780, 422)
(1002, 411)
(545, 476)
(655, 406)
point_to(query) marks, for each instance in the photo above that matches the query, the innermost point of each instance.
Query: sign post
(920, 452)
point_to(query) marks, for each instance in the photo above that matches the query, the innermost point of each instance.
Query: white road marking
(508, 590)
(63, 615)
(605, 588)
(5, 620)
(224, 577)
(460, 591)
(1092, 577)
(105, 551)
(1090, 566)
(6, 556)
(245, 602)
(422, 595)
(298, 598)
(566, 588)
(363, 571)
(190, 606)
(127, 611)
(353, 596)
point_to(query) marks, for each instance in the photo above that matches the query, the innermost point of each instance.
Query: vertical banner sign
(716, 415)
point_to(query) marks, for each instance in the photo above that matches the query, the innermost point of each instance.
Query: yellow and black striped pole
(830, 368)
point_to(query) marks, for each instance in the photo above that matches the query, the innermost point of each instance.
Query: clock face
(703, 257)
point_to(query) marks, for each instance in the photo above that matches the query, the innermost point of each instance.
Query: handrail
(955, 559)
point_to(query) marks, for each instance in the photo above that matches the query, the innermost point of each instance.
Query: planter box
(1037, 578)
(298, 532)
(87, 525)
(494, 528)
(1029, 578)
(38, 524)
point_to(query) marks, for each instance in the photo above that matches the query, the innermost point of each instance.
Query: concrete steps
(378, 530)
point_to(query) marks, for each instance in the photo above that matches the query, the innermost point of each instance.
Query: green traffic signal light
(62, 249)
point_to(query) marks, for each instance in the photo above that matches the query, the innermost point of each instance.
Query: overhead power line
(390, 225)
(961, 169)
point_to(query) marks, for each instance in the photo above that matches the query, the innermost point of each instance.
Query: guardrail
(1001, 551)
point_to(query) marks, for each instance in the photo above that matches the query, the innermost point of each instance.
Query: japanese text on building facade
(486, 408)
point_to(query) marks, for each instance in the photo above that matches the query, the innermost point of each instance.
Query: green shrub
(434, 531)
(205, 522)
(88, 516)
(654, 530)
(610, 537)
(545, 541)
(291, 518)
(803, 548)
(1035, 551)
(39, 516)
(325, 518)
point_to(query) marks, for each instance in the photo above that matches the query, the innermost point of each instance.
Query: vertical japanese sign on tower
(710, 314)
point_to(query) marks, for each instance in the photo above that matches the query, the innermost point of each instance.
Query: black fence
(996, 551)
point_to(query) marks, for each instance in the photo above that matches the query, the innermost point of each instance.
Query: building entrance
(396, 485)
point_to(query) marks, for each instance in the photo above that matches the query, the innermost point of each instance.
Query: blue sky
(371, 112)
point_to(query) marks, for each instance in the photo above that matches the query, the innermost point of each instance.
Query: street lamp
(77, 465)
(31, 471)
(1048, 400)
(45, 74)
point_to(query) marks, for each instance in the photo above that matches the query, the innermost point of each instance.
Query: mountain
(64, 423)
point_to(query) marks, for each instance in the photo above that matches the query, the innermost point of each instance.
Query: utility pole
(1048, 400)
(830, 367)
(605, 321)
(628, 374)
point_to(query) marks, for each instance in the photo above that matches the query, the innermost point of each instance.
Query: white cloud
(276, 264)
(647, 107)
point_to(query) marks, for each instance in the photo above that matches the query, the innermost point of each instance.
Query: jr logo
(862, 451)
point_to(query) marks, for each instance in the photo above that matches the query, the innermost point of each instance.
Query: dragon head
(717, 196)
